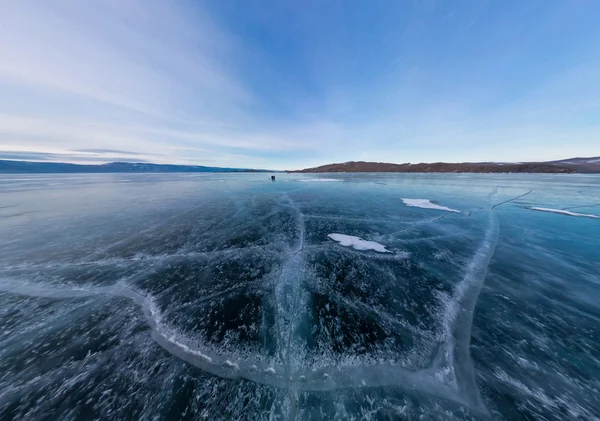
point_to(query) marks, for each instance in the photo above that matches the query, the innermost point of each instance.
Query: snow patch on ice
(230, 364)
(318, 180)
(426, 204)
(358, 243)
(565, 212)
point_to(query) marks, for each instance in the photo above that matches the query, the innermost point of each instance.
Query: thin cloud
(63, 157)
(149, 63)
(105, 151)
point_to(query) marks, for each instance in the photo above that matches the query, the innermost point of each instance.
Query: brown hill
(442, 167)
(582, 165)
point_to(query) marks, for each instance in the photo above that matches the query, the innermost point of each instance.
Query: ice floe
(565, 212)
(358, 243)
(426, 204)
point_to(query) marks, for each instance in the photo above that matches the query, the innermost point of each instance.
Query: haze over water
(345, 296)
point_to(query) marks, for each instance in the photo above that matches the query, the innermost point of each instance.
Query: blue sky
(293, 84)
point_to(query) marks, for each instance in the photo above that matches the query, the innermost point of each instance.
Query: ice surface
(426, 204)
(171, 296)
(565, 212)
(318, 180)
(358, 243)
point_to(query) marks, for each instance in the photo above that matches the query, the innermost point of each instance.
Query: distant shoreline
(437, 172)
(567, 166)
(30, 167)
(572, 166)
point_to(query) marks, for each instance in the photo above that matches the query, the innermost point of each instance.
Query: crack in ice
(288, 297)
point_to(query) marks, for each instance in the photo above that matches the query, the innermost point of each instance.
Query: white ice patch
(358, 243)
(565, 212)
(318, 180)
(230, 364)
(426, 204)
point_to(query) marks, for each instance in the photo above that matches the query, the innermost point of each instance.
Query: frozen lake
(365, 297)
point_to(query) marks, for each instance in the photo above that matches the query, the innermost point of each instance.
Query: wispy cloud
(158, 70)
(105, 151)
(151, 59)
(65, 157)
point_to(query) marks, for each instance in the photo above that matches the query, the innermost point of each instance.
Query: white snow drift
(565, 212)
(426, 204)
(358, 243)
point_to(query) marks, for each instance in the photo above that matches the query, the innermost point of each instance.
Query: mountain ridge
(566, 166)
(31, 167)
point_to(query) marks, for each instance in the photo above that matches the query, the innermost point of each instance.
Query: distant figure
(272, 178)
